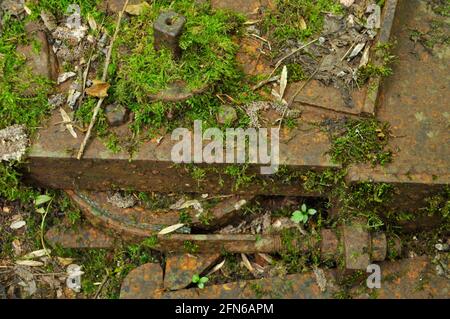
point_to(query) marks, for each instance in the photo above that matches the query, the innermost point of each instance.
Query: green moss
(258, 289)
(296, 72)
(324, 181)
(206, 218)
(283, 23)
(190, 247)
(185, 218)
(441, 7)
(208, 57)
(150, 242)
(240, 175)
(11, 187)
(17, 107)
(59, 7)
(155, 201)
(198, 173)
(292, 257)
(380, 66)
(361, 141)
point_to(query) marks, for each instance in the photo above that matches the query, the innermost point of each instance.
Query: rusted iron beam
(357, 248)
(54, 165)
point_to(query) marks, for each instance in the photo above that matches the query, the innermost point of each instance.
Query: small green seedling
(303, 214)
(200, 281)
(39, 201)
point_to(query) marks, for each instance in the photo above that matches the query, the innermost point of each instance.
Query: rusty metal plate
(146, 281)
(54, 165)
(413, 278)
(298, 286)
(414, 100)
(409, 278)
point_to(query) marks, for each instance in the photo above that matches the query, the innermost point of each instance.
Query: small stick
(105, 73)
(264, 82)
(290, 54)
(102, 284)
(297, 93)
(262, 39)
(348, 51)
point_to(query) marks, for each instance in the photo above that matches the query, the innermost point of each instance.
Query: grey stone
(116, 114)
(13, 143)
(13, 7)
(226, 115)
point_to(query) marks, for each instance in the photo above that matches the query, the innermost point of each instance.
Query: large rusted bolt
(168, 28)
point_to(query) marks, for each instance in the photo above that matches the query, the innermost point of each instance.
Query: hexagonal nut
(356, 241)
(116, 114)
(378, 246)
(329, 244)
(394, 247)
(226, 114)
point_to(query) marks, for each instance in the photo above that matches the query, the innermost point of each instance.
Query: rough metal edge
(373, 87)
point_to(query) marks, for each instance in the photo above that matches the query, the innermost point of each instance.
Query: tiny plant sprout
(303, 214)
(200, 281)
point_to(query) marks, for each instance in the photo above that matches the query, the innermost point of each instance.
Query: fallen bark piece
(13, 143)
(181, 267)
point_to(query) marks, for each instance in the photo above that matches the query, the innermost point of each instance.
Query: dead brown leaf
(98, 89)
(302, 24)
(137, 9)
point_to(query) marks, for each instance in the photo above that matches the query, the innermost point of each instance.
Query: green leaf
(304, 218)
(201, 285)
(304, 208)
(40, 210)
(195, 278)
(297, 216)
(312, 211)
(204, 280)
(41, 199)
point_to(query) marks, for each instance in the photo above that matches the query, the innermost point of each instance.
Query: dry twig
(290, 54)
(291, 101)
(105, 73)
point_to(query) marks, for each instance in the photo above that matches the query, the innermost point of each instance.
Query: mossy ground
(297, 20)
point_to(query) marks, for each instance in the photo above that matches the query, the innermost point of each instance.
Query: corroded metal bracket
(167, 29)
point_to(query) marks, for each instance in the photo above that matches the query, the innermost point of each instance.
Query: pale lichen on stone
(13, 143)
